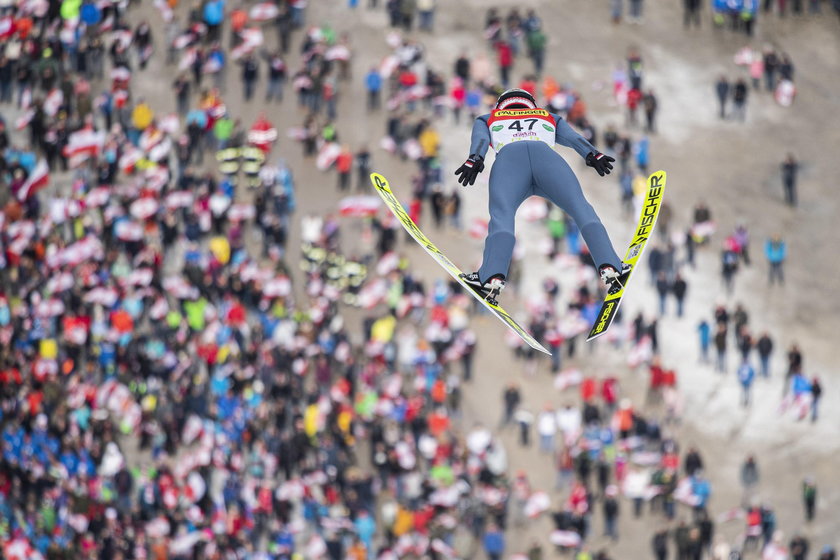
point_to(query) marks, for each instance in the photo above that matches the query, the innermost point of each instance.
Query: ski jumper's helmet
(516, 99)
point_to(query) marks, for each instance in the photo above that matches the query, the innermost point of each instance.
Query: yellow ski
(647, 219)
(381, 185)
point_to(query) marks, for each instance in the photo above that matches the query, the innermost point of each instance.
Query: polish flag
(107, 25)
(179, 199)
(164, 9)
(150, 138)
(7, 27)
(123, 37)
(20, 549)
(183, 41)
(120, 98)
(568, 539)
(327, 156)
(76, 329)
(26, 99)
(187, 59)
(478, 228)
(129, 159)
(53, 102)
(139, 277)
(253, 37)
(160, 151)
(537, 503)
(262, 134)
(263, 11)
(277, 287)
(211, 66)
(158, 527)
(170, 124)
(98, 197)
(159, 310)
(85, 142)
(61, 283)
(785, 93)
(37, 180)
(337, 52)
(241, 212)
(359, 206)
(23, 121)
(156, 178)
(534, 209)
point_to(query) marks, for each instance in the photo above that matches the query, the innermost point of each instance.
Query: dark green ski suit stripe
(527, 168)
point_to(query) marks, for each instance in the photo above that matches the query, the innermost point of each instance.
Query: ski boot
(614, 280)
(487, 290)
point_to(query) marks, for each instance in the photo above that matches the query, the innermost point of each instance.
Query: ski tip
(376, 178)
(658, 174)
(379, 182)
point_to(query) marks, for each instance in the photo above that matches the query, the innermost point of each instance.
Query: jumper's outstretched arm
(480, 137)
(565, 135)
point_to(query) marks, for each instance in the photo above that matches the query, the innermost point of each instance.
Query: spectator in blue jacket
(214, 16)
(776, 251)
(701, 488)
(642, 150)
(494, 542)
(705, 332)
(373, 84)
(746, 375)
(365, 528)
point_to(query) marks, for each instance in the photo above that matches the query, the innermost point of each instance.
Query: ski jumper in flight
(527, 164)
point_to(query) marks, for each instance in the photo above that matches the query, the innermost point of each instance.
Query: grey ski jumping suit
(527, 164)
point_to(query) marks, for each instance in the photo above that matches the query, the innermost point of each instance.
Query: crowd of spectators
(168, 390)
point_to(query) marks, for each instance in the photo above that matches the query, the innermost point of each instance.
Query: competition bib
(513, 125)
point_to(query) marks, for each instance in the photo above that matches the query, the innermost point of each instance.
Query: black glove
(470, 170)
(601, 163)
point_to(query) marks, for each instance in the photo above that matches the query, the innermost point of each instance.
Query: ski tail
(393, 203)
(641, 235)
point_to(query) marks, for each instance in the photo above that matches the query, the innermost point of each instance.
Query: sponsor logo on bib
(520, 113)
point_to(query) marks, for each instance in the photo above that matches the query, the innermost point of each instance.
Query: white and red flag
(37, 180)
(85, 142)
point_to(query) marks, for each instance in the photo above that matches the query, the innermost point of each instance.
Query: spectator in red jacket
(344, 165)
(505, 59)
(634, 98)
